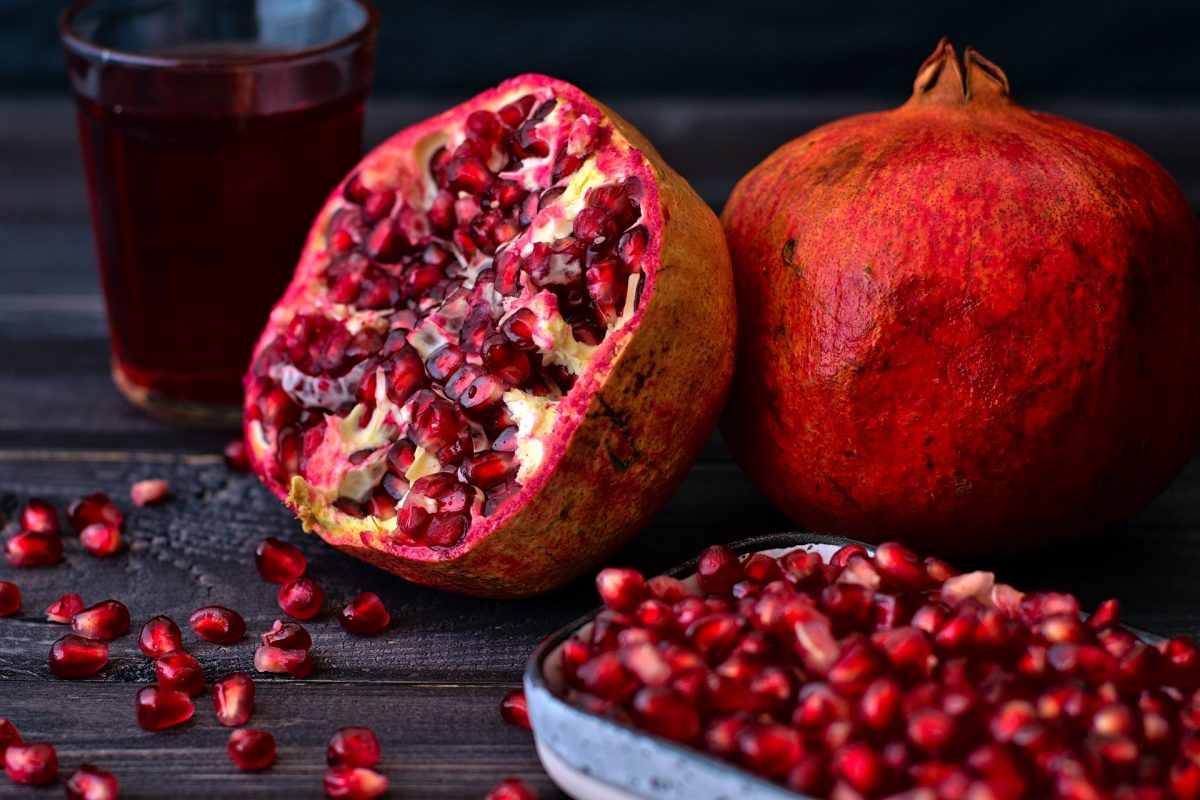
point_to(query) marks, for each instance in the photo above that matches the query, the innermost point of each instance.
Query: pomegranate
(481, 317)
(10, 598)
(301, 598)
(974, 324)
(278, 561)
(88, 782)
(966, 688)
(32, 764)
(251, 750)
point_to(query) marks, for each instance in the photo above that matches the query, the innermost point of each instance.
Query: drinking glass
(211, 131)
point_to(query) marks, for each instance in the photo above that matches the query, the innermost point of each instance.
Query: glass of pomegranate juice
(212, 131)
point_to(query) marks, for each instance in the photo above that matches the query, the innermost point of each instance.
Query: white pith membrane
(493, 318)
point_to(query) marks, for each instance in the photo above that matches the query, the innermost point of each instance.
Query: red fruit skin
(974, 324)
(635, 421)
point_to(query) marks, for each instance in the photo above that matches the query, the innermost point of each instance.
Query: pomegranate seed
(10, 599)
(8, 735)
(718, 569)
(513, 709)
(278, 561)
(88, 782)
(288, 636)
(354, 783)
(93, 509)
(770, 749)
(251, 750)
(365, 615)
(236, 457)
(179, 671)
(149, 492)
(621, 589)
(860, 767)
(899, 564)
(233, 699)
(843, 555)
(301, 598)
(353, 746)
(160, 635)
(64, 608)
(105, 621)
(1108, 613)
(297, 663)
(158, 708)
(31, 764)
(512, 789)
(930, 729)
(76, 657)
(33, 550)
(38, 516)
(217, 624)
(665, 713)
(101, 539)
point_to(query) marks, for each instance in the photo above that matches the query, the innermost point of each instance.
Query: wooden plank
(437, 741)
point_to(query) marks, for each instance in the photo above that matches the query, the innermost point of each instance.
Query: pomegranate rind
(974, 326)
(633, 423)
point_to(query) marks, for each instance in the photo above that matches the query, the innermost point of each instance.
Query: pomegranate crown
(944, 79)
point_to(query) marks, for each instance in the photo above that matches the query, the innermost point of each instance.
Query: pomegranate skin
(630, 428)
(974, 325)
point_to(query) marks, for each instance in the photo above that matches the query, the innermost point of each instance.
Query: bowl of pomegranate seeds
(814, 666)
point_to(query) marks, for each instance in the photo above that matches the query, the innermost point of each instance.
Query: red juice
(199, 222)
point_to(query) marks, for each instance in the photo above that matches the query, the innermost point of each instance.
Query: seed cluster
(885, 675)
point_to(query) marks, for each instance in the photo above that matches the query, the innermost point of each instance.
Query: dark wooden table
(430, 685)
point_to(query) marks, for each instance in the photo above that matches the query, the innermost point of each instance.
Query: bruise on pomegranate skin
(462, 298)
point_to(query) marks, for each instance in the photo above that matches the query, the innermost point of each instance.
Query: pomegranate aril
(39, 516)
(10, 599)
(8, 735)
(514, 710)
(89, 782)
(159, 708)
(288, 636)
(233, 699)
(279, 561)
(179, 671)
(64, 608)
(665, 713)
(160, 635)
(217, 624)
(105, 621)
(251, 750)
(770, 749)
(33, 549)
(899, 564)
(301, 598)
(512, 789)
(621, 589)
(101, 539)
(149, 491)
(297, 663)
(718, 569)
(31, 764)
(365, 615)
(353, 746)
(592, 226)
(445, 531)
(354, 783)
(92, 509)
(76, 657)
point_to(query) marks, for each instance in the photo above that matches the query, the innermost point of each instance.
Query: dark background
(1144, 50)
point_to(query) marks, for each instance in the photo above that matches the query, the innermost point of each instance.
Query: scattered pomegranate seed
(160, 635)
(88, 782)
(148, 492)
(353, 746)
(233, 699)
(101, 539)
(354, 783)
(279, 561)
(95, 508)
(288, 636)
(32, 764)
(64, 608)
(8, 735)
(297, 663)
(105, 621)
(33, 549)
(180, 672)
(38, 516)
(217, 624)
(236, 456)
(158, 708)
(302, 598)
(251, 750)
(365, 615)
(621, 589)
(10, 599)
(514, 710)
(512, 789)
(76, 657)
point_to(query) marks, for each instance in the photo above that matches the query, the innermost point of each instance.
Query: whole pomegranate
(508, 336)
(966, 325)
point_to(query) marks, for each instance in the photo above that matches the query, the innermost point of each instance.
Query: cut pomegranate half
(506, 317)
